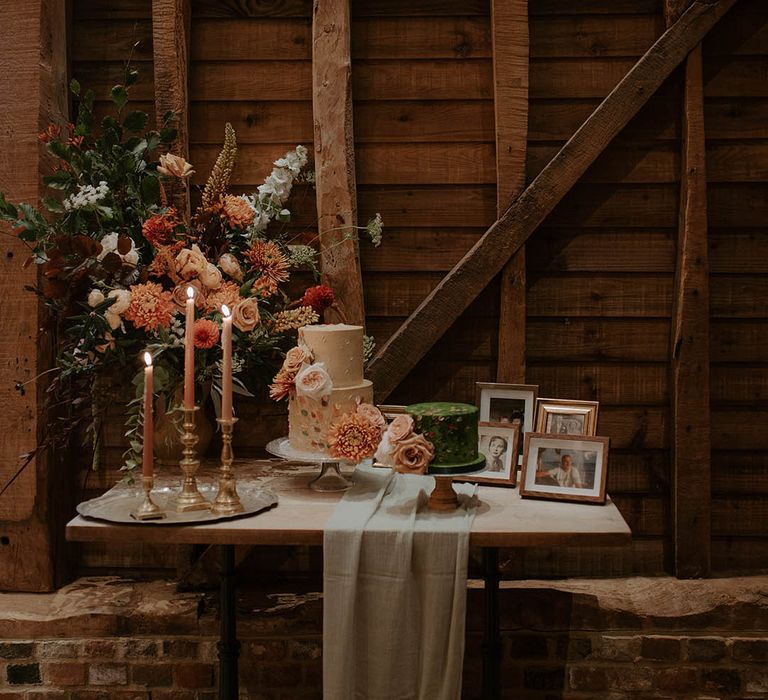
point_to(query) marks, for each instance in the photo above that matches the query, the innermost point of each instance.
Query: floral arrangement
(355, 436)
(117, 258)
(403, 449)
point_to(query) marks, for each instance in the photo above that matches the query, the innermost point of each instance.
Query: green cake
(452, 429)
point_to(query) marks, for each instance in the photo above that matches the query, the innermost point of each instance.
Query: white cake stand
(330, 478)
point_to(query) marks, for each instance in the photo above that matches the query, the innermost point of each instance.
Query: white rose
(113, 320)
(314, 382)
(123, 301)
(229, 264)
(211, 276)
(108, 245)
(95, 298)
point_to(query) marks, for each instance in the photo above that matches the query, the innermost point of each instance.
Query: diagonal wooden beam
(477, 268)
(689, 360)
(171, 21)
(335, 158)
(509, 21)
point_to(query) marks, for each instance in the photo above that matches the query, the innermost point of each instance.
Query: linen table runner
(394, 591)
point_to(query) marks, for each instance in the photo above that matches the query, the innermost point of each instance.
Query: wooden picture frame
(488, 433)
(566, 417)
(389, 411)
(500, 403)
(545, 467)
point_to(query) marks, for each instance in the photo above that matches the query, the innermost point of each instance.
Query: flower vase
(168, 429)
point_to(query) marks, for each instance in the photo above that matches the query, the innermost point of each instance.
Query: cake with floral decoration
(322, 377)
(452, 429)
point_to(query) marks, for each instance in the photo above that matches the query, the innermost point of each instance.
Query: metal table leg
(491, 640)
(228, 646)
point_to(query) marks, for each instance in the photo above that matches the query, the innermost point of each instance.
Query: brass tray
(116, 505)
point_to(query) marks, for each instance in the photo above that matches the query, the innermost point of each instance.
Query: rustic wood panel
(736, 252)
(740, 76)
(739, 384)
(738, 341)
(579, 36)
(335, 160)
(256, 122)
(739, 296)
(737, 205)
(617, 295)
(33, 92)
(509, 22)
(578, 339)
(303, 8)
(124, 9)
(739, 472)
(689, 346)
(602, 250)
(734, 429)
(111, 40)
(170, 37)
(419, 249)
(610, 384)
(595, 7)
(739, 554)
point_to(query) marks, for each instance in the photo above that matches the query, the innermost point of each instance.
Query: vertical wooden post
(691, 457)
(33, 92)
(335, 157)
(509, 21)
(171, 20)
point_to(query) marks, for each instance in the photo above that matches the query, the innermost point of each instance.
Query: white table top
(503, 519)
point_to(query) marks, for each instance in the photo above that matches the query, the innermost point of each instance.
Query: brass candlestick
(227, 502)
(190, 498)
(148, 510)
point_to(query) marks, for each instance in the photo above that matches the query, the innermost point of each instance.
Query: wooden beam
(335, 159)
(690, 389)
(171, 21)
(509, 21)
(33, 91)
(487, 257)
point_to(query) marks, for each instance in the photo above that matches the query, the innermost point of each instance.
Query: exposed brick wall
(624, 639)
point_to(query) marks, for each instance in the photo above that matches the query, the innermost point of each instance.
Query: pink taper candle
(148, 466)
(189, 351)
(226, 367)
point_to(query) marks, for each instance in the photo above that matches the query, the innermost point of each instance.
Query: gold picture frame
(566, 417)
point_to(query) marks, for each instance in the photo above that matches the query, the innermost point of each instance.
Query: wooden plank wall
(600, 271)
(735, 110)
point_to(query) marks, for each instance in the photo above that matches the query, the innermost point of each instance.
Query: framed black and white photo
(564, 468)
(499, 444)
(508, 403)
(566, 417)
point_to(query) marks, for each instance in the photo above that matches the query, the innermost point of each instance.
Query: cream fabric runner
(394, 591)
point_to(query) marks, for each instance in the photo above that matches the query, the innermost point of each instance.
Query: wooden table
(503, 520)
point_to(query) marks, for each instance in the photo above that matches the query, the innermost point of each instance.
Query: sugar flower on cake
(353, 437)
(314, 382)
(296, 358)
(373, 415)
(282, 385)
(413, 455)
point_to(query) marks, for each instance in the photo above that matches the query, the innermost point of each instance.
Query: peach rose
(245, 314)
(314, 382)
(400, 428)
(296, 357)
(190, 262)
(228, 263)
(179, 294)
(373, 415)
(413, 455)
(174, 166)
(211, 276)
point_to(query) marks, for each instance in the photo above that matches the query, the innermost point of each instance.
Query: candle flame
(190, 292)
(225, 311)
(148, 359)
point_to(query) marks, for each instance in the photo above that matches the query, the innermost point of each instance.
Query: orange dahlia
(158, 229)
(236, 211)
(282, 385)
(267, 258)
(206, 333)
(353, 437)
(150, 306)
(228, 293)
